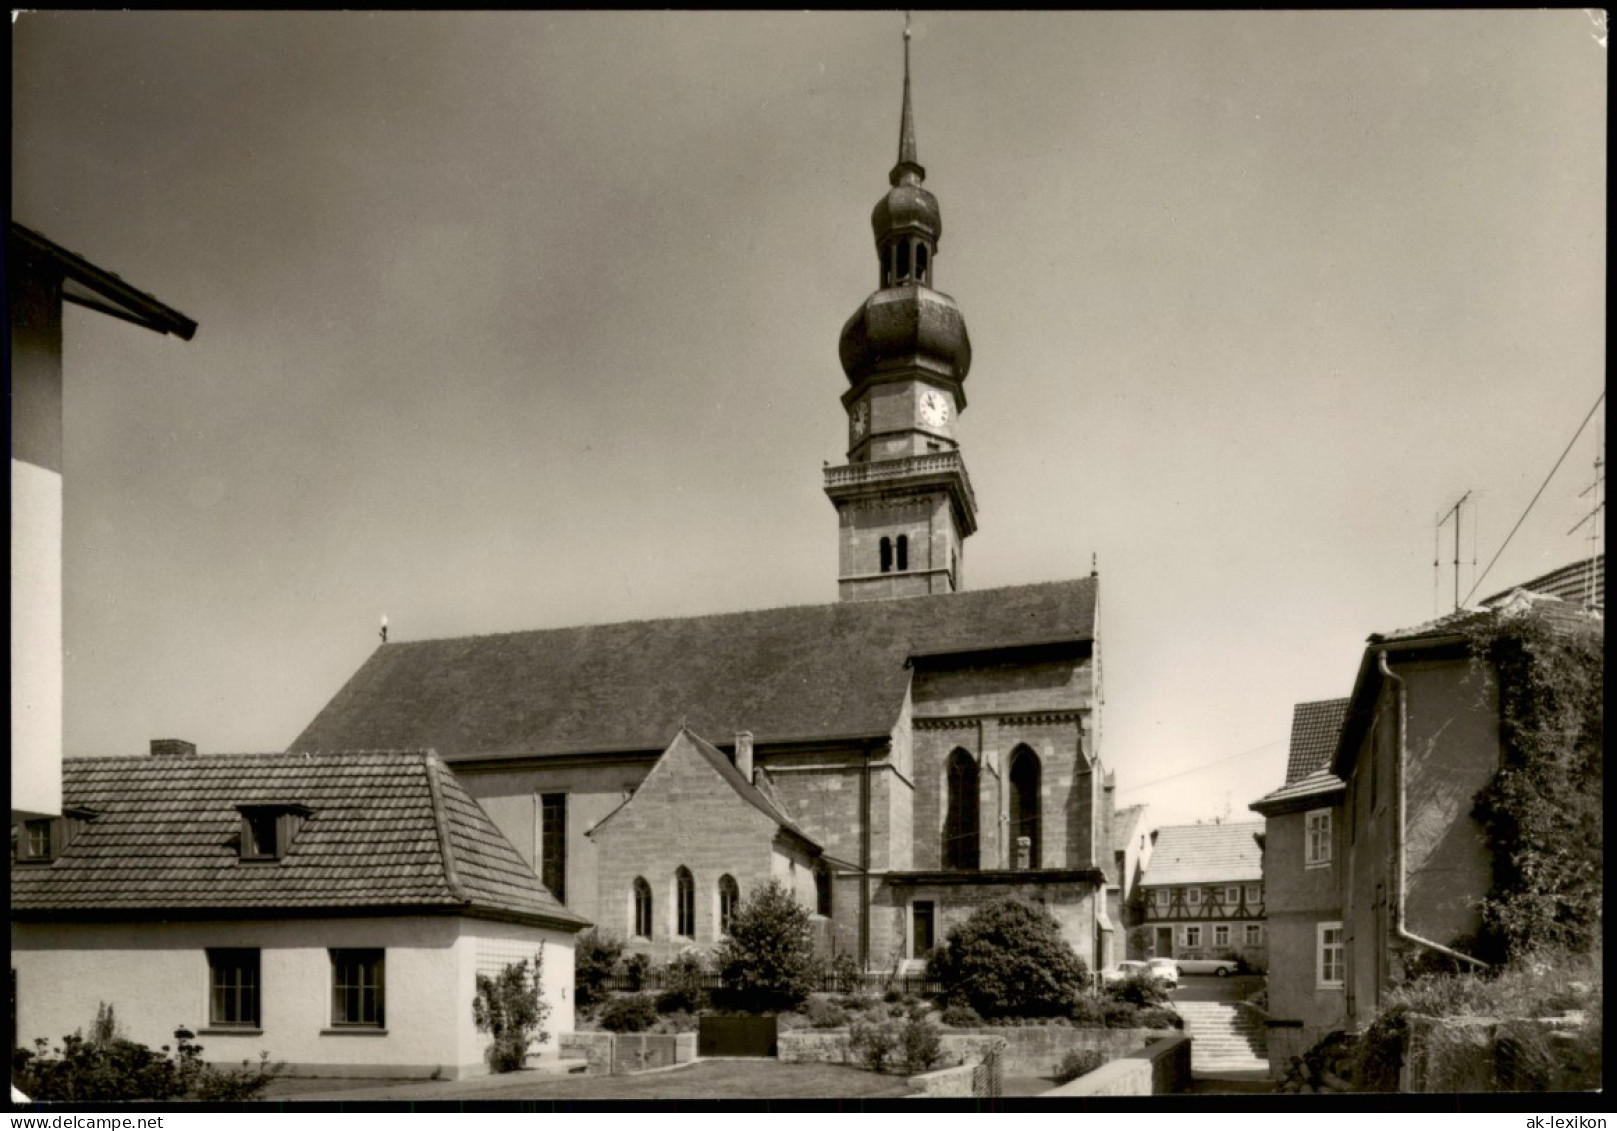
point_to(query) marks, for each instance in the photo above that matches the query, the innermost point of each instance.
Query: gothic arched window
(729, 900)
(903, 552)
(1025, 805)
(642, 907)
(684, 903)
(822, 889)
(960, 820)
(887, 555)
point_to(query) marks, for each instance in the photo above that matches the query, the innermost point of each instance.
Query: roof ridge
(440, 821)
(963, 594)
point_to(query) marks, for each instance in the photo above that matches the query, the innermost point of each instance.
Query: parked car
(1120, 970)
(1196, 964)
(1166, 969)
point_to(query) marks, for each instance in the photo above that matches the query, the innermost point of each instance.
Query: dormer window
(267, 830)
(42, 840)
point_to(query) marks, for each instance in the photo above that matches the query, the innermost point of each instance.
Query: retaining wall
(620, 1054)
(1159, 1069)
(1029, 1051)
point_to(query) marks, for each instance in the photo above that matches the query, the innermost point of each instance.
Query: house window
(1254, 934)
(960, 820)
(729, 900)
(921, 919)
(1232, 896)
(684, 903)
(357, 988)
(1254, 895)
(887, 555)
(1025, 823)
(267, 830)
(553, 843)
(1193, 936)
(1317, 838)
(1193, 896)
(1221, 935)
(642, 907)
(1329, 963)
(233, 982)
(36, 842)
(903, 554)
(822, 889)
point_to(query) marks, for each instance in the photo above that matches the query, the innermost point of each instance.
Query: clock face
(860, 420)
(934, 408)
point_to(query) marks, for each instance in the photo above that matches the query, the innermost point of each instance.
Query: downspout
(1399, 928)
(864, 862)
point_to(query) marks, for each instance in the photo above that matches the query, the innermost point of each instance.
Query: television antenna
(1597, 488)
(1455, 513)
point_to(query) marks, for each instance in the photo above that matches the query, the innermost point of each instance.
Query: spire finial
(906, 129)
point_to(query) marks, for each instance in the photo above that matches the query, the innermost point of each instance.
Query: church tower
(904, 502)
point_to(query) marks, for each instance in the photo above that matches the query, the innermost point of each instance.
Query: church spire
(907, 160)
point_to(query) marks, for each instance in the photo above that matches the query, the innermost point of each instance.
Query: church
(898, 757)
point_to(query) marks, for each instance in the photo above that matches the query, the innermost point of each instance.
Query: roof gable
(799, 673)
(387, 830)
(693, 748)
(1206, 854)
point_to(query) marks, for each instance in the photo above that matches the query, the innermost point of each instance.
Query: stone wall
(1159, 1069)
(621, 1054)
(1030, 1051)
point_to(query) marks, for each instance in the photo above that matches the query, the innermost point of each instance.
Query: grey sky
(530, 319)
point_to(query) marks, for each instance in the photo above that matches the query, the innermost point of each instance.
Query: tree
(595, 955)
(1009, 960)
(767, 961)
(509, 1007)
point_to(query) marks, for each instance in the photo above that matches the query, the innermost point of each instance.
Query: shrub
(1079, 1062)
(635, 969)
(509, 1007)
(1120, 1014)
(1089, 1013)
(628, 1013)
(876, 1043)
(823, 1014)
(921, 1046)
(1138, 989)
(846, 972)
(1158, 1017)
(595, 956)
(1009, 959)
(767, 960)
(685, 982)
(107, 1066)
(891, 995)
(960, 1016)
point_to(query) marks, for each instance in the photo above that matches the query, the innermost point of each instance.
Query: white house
(331, 909)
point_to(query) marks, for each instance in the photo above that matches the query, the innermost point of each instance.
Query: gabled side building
(1203, 894)
(332, 910)
(1302, 885)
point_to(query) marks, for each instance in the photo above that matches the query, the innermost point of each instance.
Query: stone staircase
(1224, 1036)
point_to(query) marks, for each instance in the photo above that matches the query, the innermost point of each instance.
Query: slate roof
(390, 830)
(1319, 784)
(1315, 728)
(1571, 583)
(1206, 854)
(1125, 826)
(799, 673)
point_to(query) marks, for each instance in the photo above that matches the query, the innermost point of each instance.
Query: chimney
(173, 748)
(744, 754)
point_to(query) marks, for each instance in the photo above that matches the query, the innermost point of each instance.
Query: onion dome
(906, 327)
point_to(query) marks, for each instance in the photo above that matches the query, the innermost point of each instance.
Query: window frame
(1193, 897)
(1221, 929)
(245, 995)
(1254, 895)
(729, 900)
(1317, 849)
(31, 852)
(684, 903)
(641, 909)
(1254, 934)
(1193, 935)
(1329, 955)
(369, 961)
(553, 868)
(1232, 896)
(823, 896)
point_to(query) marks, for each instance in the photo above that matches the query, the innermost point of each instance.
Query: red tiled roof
(389, 830)
(1315, 728)
(1572, 583)
(1206, 854)
(807, 672)
(1319, 784)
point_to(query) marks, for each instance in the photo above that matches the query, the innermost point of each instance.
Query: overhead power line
(1478, 584)
(1203, 766)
